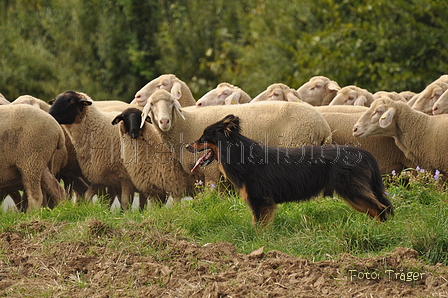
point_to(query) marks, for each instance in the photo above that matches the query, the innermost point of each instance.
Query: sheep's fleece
(29, 140)
(421, 137)
(272, 123)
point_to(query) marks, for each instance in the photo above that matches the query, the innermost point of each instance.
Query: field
(207, 247)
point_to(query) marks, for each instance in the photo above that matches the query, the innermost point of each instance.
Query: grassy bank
(319, 229)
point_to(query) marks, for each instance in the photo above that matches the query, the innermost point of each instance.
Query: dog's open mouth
(204, 160)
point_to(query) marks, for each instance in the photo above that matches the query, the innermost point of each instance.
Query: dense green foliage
(110, 49)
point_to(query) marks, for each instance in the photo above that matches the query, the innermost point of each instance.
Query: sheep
(30, 139)
(273, 123)
(223, 94)
(353, 95)
(96, 143)
(170, 83)
(392, 95)
(71, 173)
(422, 138)
(277, 92)
(112, 105)
(33, 101)
(318, 91)
(341, 120)
(424, 102)
(441, 105)
(407, 95)
(148, 160)
(3, 100)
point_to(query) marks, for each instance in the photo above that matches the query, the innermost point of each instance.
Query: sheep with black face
(96, 143)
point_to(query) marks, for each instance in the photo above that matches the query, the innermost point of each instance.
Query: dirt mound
(30, 268)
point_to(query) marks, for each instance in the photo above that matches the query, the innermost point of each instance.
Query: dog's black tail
(377, 187)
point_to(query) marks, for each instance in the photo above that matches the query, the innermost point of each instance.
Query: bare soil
(29, 267)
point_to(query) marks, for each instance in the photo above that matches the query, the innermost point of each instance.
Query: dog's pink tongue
(198, 163)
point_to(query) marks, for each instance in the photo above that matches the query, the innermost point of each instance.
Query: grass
(317, 230)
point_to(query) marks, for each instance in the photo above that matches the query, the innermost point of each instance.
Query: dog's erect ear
(230, 123)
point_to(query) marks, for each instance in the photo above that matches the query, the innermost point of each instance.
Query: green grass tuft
(317, 230)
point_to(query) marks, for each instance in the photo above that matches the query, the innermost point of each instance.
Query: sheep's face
(441, 106)
(353, 96)
(277, 95)
(346, 96)
(164, 82)
(316, 88)
(67, 107)
(378, 120)
(429, 96)
(130, 122)
(218, 96)
(162, 107)
(213, 138)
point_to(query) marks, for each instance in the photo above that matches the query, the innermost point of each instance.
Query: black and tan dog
(266, 176)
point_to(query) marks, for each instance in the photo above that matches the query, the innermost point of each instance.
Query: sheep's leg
(32, 186)
(127, 194)
(142, 200)
(52, 187)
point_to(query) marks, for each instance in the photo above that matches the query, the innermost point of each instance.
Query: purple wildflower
(436, 175)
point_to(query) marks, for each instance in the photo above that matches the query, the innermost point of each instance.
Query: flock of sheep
(119, 149)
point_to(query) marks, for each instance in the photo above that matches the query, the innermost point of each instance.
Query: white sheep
(272, 123)
(422, 138)
(32, 101)
(148, 160)
(277, 92)
(3, 100)
(223, 94)
(318, 91)
(342, 119)
(407, 95)
(30, 139)
(96, 143)
(441, 105)
(425, 100)
(112, 105)
(71, 174)
(391, 94)
(354, 96)
(170, 83)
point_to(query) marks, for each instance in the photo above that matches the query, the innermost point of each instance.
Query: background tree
(110, 49)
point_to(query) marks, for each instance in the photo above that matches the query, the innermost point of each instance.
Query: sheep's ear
(290, 96)
(260, 97)
(117, 119)
(386, 119)
(333, 86)
(176, 90)
(360, 101)
(145, 113)
(51, 102)
(233, 99)
(178, 108)
(85, 102)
